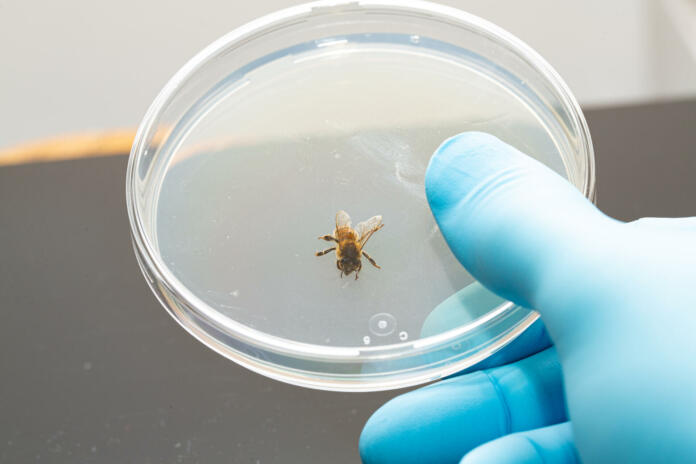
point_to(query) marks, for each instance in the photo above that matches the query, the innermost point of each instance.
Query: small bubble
(457, 346)
(234, 293)
(177, 444)
(366, 340)
(382, 324)
(87, 366)
(403, 335)
(415, 39)
(337, 155)
(228, 236)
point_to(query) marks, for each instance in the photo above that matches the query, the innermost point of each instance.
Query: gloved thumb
(517, 226)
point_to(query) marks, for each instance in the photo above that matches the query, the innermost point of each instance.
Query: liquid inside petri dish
(260, 170)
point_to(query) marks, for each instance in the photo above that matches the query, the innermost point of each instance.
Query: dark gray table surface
(94, 370)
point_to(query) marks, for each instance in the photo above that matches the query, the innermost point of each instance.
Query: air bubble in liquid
(382, 324)
(403, 335)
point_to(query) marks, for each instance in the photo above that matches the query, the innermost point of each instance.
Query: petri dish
(249, 151)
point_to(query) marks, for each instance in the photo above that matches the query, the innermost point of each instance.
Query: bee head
(348, 264)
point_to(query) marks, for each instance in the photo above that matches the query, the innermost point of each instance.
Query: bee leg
(372, 261)
(322, 253)
(328, 238)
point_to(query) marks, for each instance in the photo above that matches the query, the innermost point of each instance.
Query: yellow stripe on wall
(72, 146)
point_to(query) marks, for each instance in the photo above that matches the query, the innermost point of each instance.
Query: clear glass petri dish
(249, 151)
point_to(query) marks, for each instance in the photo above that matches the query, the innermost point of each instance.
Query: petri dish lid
(251, 149)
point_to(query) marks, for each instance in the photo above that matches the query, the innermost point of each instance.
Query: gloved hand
(617, 299)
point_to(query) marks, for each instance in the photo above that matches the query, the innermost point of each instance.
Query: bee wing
(366, 228)
(342, 219)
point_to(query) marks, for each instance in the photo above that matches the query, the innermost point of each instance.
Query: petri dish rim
(157, 272)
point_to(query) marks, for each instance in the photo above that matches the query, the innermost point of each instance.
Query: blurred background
(80, 65)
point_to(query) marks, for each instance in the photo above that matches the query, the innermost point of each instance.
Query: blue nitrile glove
(616, 298)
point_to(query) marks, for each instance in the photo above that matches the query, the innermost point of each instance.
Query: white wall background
(76, 65)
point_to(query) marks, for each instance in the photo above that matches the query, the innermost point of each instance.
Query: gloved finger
(685, 224)
(534, 339)
(443, 421)
(548, 445)
(472, 302)
(521, 229)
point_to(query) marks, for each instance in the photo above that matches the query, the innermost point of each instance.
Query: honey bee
(350, 242)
